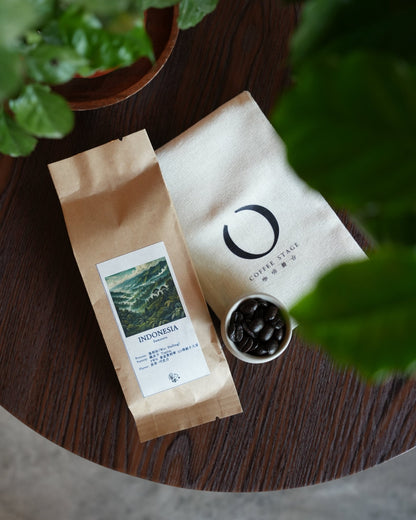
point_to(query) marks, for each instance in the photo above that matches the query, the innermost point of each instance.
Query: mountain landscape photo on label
(145, 297)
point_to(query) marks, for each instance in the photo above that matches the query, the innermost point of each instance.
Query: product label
(152, 318)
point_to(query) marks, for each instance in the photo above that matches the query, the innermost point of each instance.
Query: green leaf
(105, 8)
(157, 4)
(340, 26)
(42, 112)
(191, 12)
(103, 50)
(10, 77)
(349, 125)
(51, 33)
(14, 141)
(45, 9)
(53, 64)
(389, 226)
(363, 314)
(16, 16)
(135, 44)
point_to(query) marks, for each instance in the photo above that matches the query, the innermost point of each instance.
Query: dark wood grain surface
(304, 421)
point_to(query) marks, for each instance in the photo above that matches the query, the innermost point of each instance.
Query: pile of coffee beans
(257, 327)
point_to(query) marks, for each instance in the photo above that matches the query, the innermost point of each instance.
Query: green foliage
(16, 16)
(191, 12)
(53, 64)
(366, 323)
(337, 27)
(84, 33)
(47, 42)
(349, 124)
(354, 137)
(41, 112)
(10, 77)
(13, 139)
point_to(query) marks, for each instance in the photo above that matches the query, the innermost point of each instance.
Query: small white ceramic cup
(250, 358)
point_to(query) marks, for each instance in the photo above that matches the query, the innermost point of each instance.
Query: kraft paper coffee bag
(142, 285)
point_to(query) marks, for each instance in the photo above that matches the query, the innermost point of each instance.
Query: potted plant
(45, 43)
(348, 124)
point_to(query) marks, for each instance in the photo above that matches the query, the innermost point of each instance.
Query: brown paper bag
(143, 287)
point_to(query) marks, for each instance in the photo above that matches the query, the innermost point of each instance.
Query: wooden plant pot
(108, 88)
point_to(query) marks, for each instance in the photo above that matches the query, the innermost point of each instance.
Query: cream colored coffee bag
(235, 193)
(143, 287)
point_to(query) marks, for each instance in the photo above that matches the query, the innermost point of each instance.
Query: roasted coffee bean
(245, 344)
(272, 347)
(277, 322)
(248, 307)
(231, 331)
(259, 313)
(279, 333)
(247, 329)
(239, 333)
(266, 333)
(256, 325)
(259, 351)
(271, 312)
(236, 317)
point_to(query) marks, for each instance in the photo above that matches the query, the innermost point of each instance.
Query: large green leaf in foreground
(364, 314)
(342, 26)
(349, 125)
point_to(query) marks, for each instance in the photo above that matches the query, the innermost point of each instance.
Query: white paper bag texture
(250, 223)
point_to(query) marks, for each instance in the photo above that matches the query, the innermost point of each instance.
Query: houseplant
(349, 125)
(44, 43)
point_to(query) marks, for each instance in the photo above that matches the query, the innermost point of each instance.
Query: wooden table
(304, 421)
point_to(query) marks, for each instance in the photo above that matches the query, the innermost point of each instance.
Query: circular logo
(271, 219)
